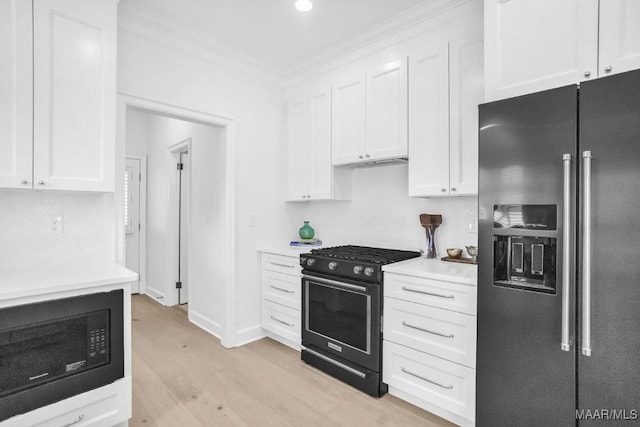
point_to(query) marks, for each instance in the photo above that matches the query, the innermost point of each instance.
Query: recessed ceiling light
(303, 5)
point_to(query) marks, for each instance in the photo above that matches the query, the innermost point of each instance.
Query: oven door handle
(335, 283)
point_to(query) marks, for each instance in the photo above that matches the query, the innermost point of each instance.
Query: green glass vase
(306, 231)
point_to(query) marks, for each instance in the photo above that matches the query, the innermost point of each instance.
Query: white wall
(27, 241)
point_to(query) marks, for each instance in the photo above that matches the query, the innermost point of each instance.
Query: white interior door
(132, 178)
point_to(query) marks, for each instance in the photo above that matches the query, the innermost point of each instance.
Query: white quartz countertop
(17, 284)
(286, 250)
(434, 268)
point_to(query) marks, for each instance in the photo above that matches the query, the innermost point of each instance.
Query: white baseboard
(156, 295)
(247, 335)
(204, 323)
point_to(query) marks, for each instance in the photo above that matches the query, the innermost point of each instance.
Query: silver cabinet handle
(282, 289)
(404, 288)
(361, 156)
(586, 255)
(444, 190)
(453, 188)
(448, 387)
(80, 418)
(281, 265)
(281, 321)
(587, 74)
(566, 251)
(24, 181)
(608, 69)
(40, 182)
(426, 330)
(336, 363)
(367, 156)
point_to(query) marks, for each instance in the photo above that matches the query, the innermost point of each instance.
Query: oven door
(342, 317)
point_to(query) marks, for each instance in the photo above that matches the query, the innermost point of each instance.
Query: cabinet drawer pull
(426, 330)
(282, 265)
(281, 321)
(427, 293)
(80, 418)
(282, 289)
(448, 387)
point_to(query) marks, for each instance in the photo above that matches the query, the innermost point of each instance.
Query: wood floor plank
(182, 376)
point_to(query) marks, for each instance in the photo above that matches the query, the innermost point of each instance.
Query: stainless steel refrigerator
(559, 257)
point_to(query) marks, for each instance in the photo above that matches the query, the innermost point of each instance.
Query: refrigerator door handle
(586, 255)
(566, 252)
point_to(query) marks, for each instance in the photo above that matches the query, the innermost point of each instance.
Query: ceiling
(273, 31)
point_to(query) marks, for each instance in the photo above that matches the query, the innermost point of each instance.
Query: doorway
(210, 236)
(180, 201)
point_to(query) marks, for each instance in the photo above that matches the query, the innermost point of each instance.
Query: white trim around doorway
(227, 332)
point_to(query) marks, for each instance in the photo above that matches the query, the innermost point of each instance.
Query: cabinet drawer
(436, 293)
(282, 264)
(442, 333)
(104, 406)
(281, 288)
(281, 320)
(430, 379)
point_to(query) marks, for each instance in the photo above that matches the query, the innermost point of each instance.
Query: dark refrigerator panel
(524, 377)
(610, 130)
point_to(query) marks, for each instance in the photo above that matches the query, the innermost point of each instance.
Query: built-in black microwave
(53, 350)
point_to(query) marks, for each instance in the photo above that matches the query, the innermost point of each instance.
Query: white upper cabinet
(619, 36)
(311, 174)
(348, 119)
(533, 45)
(298, 149)
(370, 115)
(446, 86)
(386, 111)
(16, 91)
(74, 43)
(57, 94)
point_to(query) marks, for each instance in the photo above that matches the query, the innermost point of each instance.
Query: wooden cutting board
(460, 260)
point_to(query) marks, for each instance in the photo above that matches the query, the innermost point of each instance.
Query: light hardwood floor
(182, 376)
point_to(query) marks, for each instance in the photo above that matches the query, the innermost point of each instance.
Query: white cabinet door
(15, 94)
(320, 169)
(619, 36)
(298, 149)
(348, 120)
(74, 94)
(386, 111)
(466, 91)
(533, 45)
(429, 121)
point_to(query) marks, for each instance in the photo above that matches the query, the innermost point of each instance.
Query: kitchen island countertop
(434, 268)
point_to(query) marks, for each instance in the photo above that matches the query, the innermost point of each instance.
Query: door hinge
(178, 285)
(140, 176)
(180, 166)
(138, 226)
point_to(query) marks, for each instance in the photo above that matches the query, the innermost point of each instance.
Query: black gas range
(342, 312)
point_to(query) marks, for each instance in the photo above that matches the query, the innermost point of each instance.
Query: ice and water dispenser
(524, 253)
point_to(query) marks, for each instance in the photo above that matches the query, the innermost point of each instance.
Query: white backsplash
(381, 214)
(29, 242)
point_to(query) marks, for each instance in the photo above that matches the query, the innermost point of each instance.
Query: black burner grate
(365, 254)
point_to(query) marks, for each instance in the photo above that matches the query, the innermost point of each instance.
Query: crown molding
(170, 33)
(411, 18)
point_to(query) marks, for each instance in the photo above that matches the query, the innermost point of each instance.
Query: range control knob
(357, 269)
(310, 262)
(368, 271)
(303, 260)
(333, 265)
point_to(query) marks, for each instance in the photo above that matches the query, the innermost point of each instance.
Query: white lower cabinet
(281, 298)
(429, 347)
